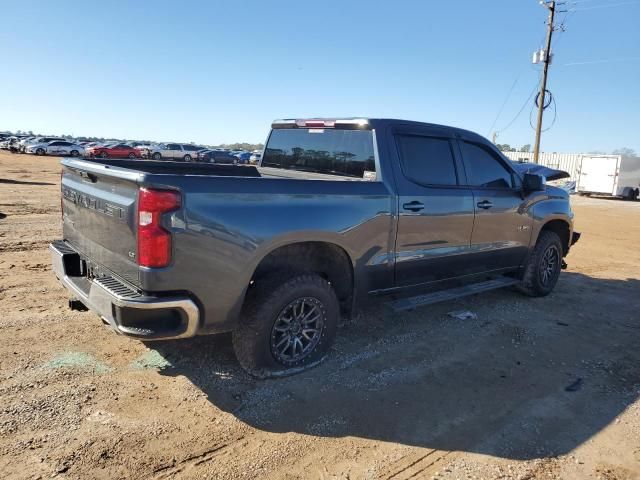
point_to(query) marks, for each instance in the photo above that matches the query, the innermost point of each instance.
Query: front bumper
(124, 309)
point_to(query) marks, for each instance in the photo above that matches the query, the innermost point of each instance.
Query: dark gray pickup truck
(337, 211)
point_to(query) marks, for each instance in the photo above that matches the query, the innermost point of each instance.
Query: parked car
(30, 141)
(116, 150)
(338, 212)
(217, 156)
(58, 147)
(174, 151)
(255, 158)
(9, 143)
(243, 157)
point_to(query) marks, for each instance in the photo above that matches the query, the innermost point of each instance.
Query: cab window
(484, 168)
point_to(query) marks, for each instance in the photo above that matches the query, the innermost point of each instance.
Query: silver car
(255, 157)
(175, 151)
(58, 147)
(26, 143)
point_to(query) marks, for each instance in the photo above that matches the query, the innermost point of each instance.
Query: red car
(117, 150)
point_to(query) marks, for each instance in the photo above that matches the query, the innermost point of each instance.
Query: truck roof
(362, 122)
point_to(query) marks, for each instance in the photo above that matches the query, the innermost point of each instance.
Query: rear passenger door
(56, 148)
(502, 227)
(435, 210)
(173, 151)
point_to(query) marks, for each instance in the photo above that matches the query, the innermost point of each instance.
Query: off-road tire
(532, 283)
(252, 341)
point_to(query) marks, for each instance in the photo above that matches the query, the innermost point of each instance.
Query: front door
(503, 223)
(435, 211)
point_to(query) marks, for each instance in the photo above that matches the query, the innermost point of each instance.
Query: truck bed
(180, 168)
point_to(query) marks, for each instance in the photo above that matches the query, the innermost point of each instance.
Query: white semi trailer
(615, 175)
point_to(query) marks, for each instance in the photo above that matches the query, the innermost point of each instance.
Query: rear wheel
(543, 266)
(288, 325)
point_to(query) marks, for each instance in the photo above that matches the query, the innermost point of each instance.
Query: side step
(410, 303)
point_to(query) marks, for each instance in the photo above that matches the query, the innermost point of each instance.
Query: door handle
(485, 204)
(414, 206)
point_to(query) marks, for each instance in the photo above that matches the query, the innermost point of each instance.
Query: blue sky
(221, 71)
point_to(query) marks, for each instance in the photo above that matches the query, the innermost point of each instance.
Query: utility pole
(543, 86)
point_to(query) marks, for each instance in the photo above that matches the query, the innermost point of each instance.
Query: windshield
(330, 151)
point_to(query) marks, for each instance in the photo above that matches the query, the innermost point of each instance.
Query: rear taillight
(154, 242)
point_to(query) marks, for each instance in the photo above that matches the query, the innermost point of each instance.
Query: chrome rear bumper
(125, 309)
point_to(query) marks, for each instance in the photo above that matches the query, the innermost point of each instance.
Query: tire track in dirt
(189, 463)
(416, 465)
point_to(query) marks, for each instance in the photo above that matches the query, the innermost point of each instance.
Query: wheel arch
(560, 227)
(325, 258)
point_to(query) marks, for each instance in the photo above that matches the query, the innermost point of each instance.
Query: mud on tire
(534, 281)
(263, 331)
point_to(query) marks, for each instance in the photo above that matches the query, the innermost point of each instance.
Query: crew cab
(338, 211)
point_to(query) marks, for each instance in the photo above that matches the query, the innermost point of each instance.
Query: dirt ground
(534, 388)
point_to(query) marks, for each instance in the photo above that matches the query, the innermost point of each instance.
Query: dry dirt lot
(418, 395)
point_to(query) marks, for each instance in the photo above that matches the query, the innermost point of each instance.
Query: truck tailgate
(99, 209)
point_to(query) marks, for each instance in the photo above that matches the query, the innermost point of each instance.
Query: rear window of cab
(347, 153)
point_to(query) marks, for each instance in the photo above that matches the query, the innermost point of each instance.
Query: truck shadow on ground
(529, 378)
(22, 182)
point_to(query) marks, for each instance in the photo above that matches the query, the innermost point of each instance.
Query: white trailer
(615, 175)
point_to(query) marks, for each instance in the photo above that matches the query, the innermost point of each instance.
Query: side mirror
(532, 182)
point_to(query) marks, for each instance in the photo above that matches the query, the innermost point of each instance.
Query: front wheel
(156, 156)
(40, 151)
(132, 156)
(542, 269)
(187, 158)
(104, 155)
(75, 153)
(287, 326)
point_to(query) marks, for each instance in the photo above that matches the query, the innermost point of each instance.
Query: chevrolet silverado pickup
(336, 212)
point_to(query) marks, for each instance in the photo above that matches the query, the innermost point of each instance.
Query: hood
(546, 172)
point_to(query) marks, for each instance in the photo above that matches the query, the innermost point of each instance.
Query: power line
(521, 108)
(552, 101)
(505, 102)
(575, 2)
(605, 60)
(608, 5)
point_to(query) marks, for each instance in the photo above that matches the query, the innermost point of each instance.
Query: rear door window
(427, 160)
(329, 151)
